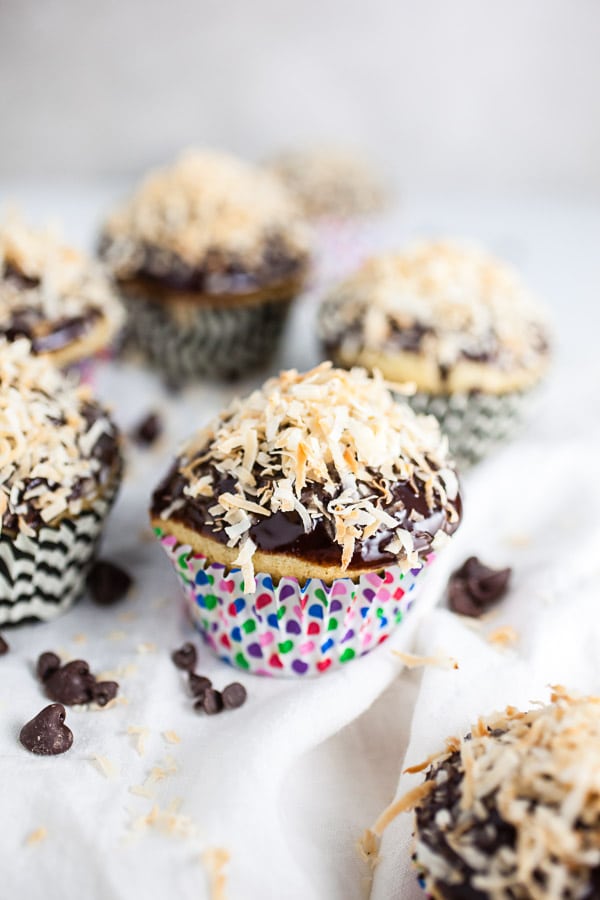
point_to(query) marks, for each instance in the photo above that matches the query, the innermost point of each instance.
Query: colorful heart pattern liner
(289, 629)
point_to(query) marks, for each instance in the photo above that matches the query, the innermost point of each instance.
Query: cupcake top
(513, 810)
(330, 183)
(58, 448)
(325, 466)
(209, 223)
(448, 304)
(53, 295)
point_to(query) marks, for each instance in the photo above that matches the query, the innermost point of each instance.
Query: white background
(474, 93)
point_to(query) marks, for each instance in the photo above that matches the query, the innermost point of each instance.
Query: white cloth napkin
(545, 501)
(287, 784)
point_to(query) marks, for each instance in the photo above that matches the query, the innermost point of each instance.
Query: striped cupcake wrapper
(474, 423)
(224, 342)
(289, 629)
(42, 576)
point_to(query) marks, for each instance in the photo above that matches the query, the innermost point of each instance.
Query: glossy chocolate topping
(217, 273)
(283, 532)
(45, 335)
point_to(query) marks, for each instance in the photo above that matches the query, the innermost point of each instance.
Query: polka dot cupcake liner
(291, 629)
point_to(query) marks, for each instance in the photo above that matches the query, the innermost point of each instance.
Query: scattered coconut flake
(140, 733)
(171, 737)
(146, 647)
(505, 636)
(108, 768)
(214, 860)
(411, 661)
(36, 837)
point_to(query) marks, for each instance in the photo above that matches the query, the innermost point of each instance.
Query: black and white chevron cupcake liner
(223, 342)
(475, 423)
(42, 576)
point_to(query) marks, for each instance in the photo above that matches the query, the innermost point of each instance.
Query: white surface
(288, 783)
(500, 93)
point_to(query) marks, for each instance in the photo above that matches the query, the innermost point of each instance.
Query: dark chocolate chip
(72, 684)
(107, 582)
(211, 702)
(4, 648)
(198, 684)
(47, 664)
(474, 588)
(234, 695)
(148, 430)
(47, 733)
(185, 657)
(104, 692)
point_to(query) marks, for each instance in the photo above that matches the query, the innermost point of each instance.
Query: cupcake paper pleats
(43, 575)
(289, 629)
(475, 423)
(224, 342)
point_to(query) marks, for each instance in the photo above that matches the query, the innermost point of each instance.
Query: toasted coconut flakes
(505, 636)
(538, 771)
(341, 432)
(108, 768)
(465, 301)
(62, 282)
(147, 647)
(140, 733)
(80, 638)
(411, 661)
(141, 790)
(117, 635)
(171, 737)
(214, 860)
(36, 837)
(45, 435)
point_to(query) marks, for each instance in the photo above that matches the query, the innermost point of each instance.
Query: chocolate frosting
(283, 532)
(216, 274)
(45, 335)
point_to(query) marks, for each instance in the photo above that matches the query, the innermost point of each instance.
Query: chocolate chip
(72, 684)
(148, 430)
(198, 684)
(107, 582)
(211, 702)
(4, 648)
(47, 734)
(104, 691)
(474, 588)
(234, 695)
(47, 664)
(185, 657)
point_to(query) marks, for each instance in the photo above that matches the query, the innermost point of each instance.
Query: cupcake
(330, 183)
(54, 296)
(60, 468)
(300, 519)
(208, 254)
(513, 810)
(456, 323)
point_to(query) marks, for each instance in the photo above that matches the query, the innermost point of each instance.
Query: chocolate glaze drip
(487, 835)
(219, 273)
(411, 339)
(283, 532)
(49, 335)
(45, 335)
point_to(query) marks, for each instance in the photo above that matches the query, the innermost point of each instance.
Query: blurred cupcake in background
(455, 322)
(54, 296)
(300, 520)
(209, 253)
(341, 192)
(61, 464)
